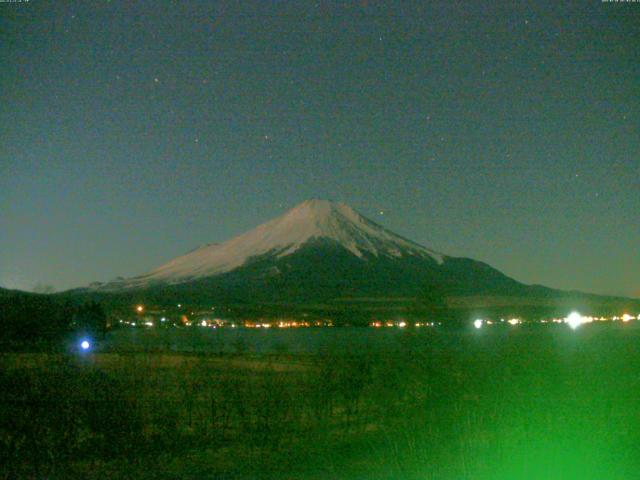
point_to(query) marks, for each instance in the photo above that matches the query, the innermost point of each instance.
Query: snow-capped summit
(311, 220)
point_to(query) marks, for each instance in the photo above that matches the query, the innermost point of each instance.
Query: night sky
(131, 132)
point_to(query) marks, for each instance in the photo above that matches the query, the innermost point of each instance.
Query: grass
(511, 403)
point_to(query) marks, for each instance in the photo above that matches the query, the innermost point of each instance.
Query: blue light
(85, 345)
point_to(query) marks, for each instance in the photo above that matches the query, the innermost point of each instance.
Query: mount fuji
(310, 223)
(325, 254)
(318, 250)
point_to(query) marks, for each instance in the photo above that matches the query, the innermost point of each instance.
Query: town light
(477, 323)
(574, 320)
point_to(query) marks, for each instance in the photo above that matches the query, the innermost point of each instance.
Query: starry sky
(133, 131)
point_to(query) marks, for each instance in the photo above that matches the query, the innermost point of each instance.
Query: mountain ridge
(325, 253)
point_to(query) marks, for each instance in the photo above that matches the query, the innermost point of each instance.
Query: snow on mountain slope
(312, 219)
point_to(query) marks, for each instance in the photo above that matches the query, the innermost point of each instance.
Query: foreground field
(542, 403)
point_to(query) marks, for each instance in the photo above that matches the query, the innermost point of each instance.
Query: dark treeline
(33, 321)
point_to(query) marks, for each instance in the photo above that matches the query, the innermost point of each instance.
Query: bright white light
(514, 321)
(574, 320)
(203, 323)
(85, 345)
(163, 319)
(477, 323)
(626, 317)
(402, 324)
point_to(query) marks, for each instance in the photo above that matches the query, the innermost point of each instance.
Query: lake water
(254, 340)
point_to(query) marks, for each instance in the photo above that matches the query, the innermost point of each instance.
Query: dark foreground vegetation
(542, 403)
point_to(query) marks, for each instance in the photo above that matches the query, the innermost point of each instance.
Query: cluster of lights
(479, 322)
(574, 320)
(295, 324)
(289, 324)
(401, 324)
